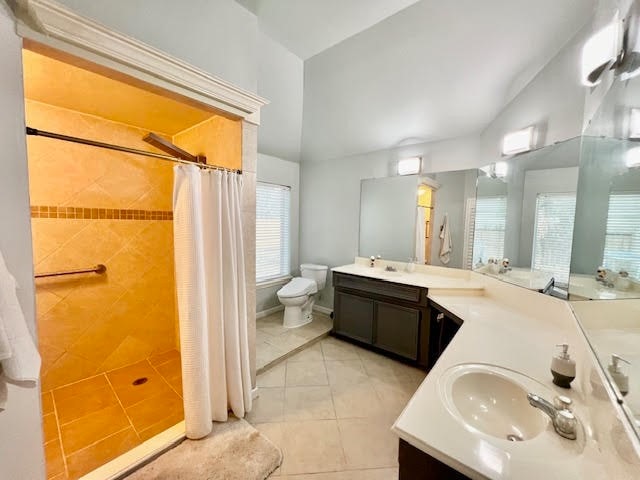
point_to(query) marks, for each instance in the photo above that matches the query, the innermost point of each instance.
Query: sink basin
(493, 401)
(389, 273)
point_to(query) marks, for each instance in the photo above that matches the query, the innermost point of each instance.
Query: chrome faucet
(372, 260)
(563, 419)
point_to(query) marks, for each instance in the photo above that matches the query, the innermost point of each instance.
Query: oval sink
(493, 401)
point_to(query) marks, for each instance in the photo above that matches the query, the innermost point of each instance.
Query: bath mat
(233, 451)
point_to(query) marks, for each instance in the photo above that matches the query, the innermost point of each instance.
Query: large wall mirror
(605, 263)
(402, 217)
(524, 218)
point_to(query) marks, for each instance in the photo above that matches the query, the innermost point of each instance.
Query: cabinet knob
(440, 316)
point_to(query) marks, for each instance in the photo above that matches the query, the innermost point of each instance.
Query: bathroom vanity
(487, 344)
(391, 313)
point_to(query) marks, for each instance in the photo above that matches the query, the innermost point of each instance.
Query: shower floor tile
(275, 343)
(90, 422)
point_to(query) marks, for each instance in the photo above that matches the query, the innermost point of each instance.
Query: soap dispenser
(563, 367)
(620, 379)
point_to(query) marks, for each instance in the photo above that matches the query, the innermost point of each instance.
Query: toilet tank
(315, 272)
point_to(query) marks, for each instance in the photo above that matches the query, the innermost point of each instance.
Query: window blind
(553, 234)
(622, 240)
(488, 235)
(272, 231)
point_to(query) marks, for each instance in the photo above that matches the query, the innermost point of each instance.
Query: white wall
(280, 80)
(281, 172)
(21, 454)
(553, 102)
(218, 36)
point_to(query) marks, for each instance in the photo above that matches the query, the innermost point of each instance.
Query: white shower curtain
(210, 283)
(421, 234)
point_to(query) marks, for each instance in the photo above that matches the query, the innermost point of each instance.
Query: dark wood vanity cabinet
(444, 327)
(391, 317)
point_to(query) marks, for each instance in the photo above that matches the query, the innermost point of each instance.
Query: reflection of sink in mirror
(586, 287)
(493, 401)
(626, 344)
(523, 277)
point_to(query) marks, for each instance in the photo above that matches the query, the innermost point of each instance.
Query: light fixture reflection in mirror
(632, 157)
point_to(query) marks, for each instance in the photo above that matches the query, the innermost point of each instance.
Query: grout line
(100, 440)
(165, 380)
(64, 456)
(124, 410)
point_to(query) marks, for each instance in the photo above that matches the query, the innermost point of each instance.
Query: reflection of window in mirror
(622, 240)
(553, 231)
(490, 222)
(426, 204)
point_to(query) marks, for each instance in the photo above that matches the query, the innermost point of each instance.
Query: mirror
(524, 218)
(607, 234)
(401, 217)
(605, 263)
(611, 326)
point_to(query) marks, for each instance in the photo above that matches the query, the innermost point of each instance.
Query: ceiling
(87, 92)
(435, 70)
(308, 27)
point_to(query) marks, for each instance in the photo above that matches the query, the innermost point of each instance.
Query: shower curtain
(210, 284)
(421, 234)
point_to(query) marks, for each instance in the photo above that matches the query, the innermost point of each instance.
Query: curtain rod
(119, 148)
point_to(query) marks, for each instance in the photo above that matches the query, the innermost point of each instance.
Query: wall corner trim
(39, 20)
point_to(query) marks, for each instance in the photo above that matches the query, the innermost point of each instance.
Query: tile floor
(330, 408)
(92, 421)
(273, 341)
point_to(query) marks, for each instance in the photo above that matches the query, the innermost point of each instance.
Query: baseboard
(269, 311)
(321, 309)
(254, 393)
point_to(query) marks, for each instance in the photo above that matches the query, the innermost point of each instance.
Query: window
(622, 240)
(272, 231)
(488, 235)
(553, 234)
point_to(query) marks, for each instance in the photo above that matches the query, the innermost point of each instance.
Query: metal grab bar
(99, 269)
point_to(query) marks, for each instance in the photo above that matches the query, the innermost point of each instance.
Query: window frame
(285, 264)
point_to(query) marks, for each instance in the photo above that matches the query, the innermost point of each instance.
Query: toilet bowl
(298, 296)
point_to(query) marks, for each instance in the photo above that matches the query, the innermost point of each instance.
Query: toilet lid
(297, 287)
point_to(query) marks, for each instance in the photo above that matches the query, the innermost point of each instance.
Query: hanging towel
(445, 241)
(19, 357)
(421, 233)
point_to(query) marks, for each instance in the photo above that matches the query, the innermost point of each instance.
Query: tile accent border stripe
(39, 211)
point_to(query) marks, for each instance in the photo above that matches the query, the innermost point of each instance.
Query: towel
(421, 227)
(19, 356)
(445, 241)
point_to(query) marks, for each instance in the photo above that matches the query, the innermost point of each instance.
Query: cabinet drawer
(377, 287)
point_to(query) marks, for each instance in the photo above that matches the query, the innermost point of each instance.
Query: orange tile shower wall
(94, 323)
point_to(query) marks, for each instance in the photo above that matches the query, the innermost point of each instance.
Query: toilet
(298, 296)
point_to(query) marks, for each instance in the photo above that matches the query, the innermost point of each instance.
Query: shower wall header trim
(48, 23)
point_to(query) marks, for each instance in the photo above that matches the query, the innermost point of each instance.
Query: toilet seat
(298, 287)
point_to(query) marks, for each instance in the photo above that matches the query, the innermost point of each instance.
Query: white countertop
(424, 276)
(520, 338)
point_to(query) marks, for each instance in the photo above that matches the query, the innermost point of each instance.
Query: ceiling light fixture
(518, 141)
(409, 166)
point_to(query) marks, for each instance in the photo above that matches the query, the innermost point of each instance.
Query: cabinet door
(353, 316)
(397, 329)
